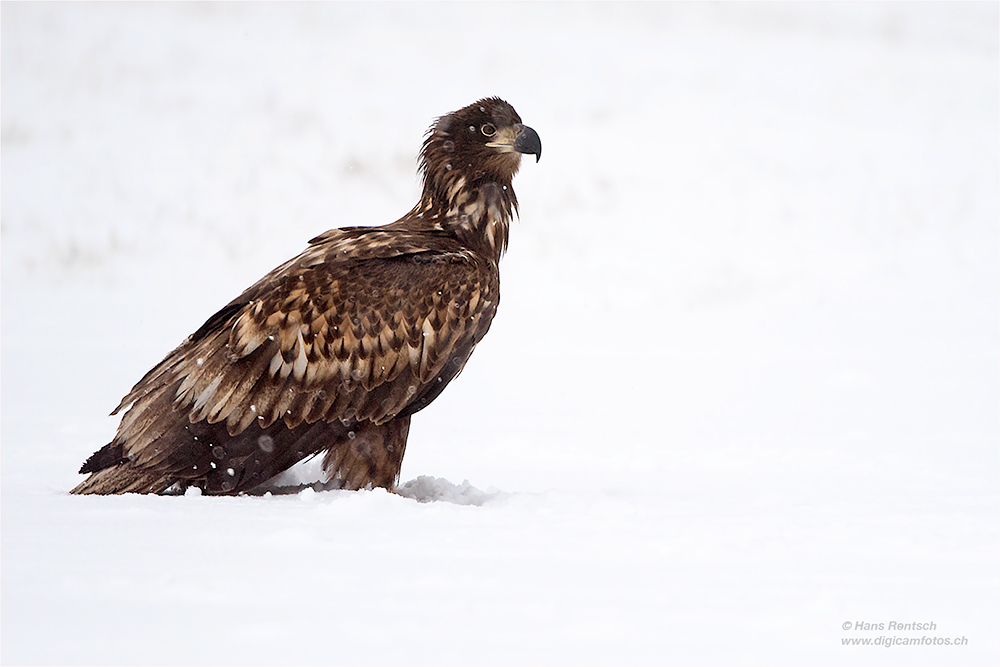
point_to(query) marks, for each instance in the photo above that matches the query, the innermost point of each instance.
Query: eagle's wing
(366, 324)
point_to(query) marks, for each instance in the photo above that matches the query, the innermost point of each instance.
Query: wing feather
(359, 327)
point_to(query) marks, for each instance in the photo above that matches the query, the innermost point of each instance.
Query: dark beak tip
(528, 142)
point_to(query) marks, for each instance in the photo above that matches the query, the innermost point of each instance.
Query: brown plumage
(334, 350)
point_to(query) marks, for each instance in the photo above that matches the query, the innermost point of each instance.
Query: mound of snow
(427, 489)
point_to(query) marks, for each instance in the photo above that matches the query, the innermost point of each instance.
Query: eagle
(333, 351)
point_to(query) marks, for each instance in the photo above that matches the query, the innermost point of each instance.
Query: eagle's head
(468, 162)
(481, 142)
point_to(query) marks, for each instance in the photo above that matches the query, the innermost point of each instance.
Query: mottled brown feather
(335, 349)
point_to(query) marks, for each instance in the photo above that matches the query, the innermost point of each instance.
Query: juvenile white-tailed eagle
(334, 350)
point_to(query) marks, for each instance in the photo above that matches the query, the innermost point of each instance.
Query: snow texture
(742, 389)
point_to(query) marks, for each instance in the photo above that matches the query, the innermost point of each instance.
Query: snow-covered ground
(742, 390)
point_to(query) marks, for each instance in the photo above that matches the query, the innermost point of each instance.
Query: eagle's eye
(488, 130)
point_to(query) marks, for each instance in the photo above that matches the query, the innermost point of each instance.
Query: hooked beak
(527, 141)
(518, 138)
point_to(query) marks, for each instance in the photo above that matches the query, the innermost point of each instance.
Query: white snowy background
(742, 389)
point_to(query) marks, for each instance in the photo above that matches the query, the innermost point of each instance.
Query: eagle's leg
(368, 454)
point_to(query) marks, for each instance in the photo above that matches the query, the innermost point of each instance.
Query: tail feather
(123, 478)
(205, 456)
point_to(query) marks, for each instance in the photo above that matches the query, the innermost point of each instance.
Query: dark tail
(206, 456)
